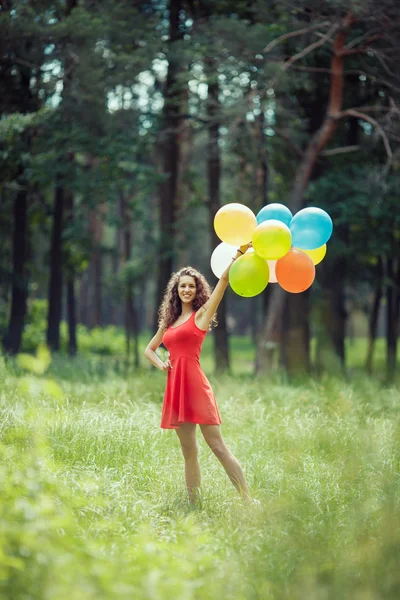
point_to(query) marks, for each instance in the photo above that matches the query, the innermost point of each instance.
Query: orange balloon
(295, 271)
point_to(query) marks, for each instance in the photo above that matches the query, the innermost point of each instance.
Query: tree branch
(292, 34)
(322, 136)
(393, 136)
(372, 108)
(351, 112)
(349, 72)
(311, 47)
(290, 142)
(383, 63)
(189, 117)
(364, 39)
(339, 150)
(353, 51)
(24, 63)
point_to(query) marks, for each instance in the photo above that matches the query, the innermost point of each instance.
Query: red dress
(188, 394)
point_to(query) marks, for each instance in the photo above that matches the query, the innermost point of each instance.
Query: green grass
(92, 495)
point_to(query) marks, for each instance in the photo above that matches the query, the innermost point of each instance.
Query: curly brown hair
(171, 305)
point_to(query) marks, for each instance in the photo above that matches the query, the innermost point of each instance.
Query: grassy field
(93, 505)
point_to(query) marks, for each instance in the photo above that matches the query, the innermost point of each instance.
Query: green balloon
(249, 275)
(272, 239)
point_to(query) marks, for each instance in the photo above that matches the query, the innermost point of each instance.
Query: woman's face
(187, 289)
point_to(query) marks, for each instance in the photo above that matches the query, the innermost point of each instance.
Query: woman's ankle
(193, 495)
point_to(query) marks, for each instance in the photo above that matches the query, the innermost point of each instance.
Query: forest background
(125, 125)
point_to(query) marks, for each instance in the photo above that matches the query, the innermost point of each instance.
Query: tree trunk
(19, 293)
(84, 298)
(374, 316)
(71, 299)
(305, 169)
(97, 287)
(392, 315)
(262, 162)
(327, 129)
(270, 339)
(185, 142)
(117, 318)
(71, 316)
(56, 255)
(56, 272)
(24, 101)
(169, 145)
(296, 335)
(331, 317)
(131, 325)
(135, 333)
(131, 317)
(96, 314)
(213, 181)
(330, 308)
(264, 353)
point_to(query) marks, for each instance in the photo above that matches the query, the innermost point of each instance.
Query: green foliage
(37, 365)
(16, 132)
(108, 340)
(104, 341)
(36, 325)
(133, 272)
(364, 207)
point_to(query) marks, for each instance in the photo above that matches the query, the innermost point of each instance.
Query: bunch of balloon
(285, 248)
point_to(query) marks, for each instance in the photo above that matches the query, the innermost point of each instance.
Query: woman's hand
(245, 247)
(166, 365)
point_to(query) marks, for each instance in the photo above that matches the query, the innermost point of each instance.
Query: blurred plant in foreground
(38, 365)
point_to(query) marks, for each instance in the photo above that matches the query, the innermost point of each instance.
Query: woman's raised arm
(207, 311)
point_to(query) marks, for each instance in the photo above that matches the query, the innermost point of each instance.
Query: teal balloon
(311, 228)
(280, 212)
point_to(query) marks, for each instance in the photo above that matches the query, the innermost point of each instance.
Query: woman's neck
(187, 309)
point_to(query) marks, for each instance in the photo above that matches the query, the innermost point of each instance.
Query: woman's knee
(212, 436)
(187, 438)
(189, 451)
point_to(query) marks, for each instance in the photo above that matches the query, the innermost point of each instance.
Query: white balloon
(222, 257)
(272, 275)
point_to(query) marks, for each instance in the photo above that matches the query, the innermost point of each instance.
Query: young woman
(186, 314)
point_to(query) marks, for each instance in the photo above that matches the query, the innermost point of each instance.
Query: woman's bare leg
(187, 437)
(212, 435)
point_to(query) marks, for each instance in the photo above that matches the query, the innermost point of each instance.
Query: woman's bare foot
(250, 501)
(194, 497)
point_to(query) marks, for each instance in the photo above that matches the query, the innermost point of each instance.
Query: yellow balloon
(249, 275)
(316, 255)
(272, 239)
(234, 224)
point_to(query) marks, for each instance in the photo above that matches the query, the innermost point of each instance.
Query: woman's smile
(187, 288)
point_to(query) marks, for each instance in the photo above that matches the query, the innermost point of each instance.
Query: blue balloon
(311, 228)
(280, 212)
